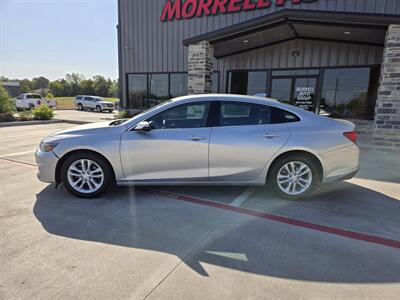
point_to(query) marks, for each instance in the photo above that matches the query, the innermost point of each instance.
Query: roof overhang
(288, 24)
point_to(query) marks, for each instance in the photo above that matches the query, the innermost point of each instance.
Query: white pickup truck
(30, 101)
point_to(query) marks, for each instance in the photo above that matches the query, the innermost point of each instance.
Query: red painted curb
(322, 228)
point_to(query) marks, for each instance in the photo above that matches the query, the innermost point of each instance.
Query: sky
(54, 37)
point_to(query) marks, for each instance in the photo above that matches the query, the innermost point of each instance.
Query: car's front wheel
(294, 177)
(86, 175)
(98, 108)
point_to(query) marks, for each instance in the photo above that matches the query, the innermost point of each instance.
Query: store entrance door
(298, 91)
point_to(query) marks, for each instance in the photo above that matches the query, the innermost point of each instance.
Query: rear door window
(243, 113)
(240, 113)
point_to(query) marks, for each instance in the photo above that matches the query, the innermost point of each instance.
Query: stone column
(200, 68)
(386, 131)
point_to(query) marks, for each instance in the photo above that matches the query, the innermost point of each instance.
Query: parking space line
(18, 162)
(243, 197)
(17, 153)
(281, 219)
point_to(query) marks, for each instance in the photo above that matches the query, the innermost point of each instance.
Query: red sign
(186, 9)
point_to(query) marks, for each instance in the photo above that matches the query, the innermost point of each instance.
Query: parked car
(204, 139)
(93, 103)
(30, 101)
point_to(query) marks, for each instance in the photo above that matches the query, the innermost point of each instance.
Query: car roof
(88, 96)
(224, 97)
(31, 94)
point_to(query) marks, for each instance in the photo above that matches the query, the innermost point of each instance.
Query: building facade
(339, 58)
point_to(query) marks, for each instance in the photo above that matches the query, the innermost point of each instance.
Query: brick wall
(386, 129)
(200, 68)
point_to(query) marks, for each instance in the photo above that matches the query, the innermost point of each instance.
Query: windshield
(98, 99)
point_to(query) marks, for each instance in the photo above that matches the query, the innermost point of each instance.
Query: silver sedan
(206, 140)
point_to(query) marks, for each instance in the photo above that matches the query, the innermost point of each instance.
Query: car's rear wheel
(80, 106)
(86, 175)
(294, 177)
(98, 108)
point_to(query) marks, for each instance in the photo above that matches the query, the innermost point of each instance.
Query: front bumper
(46, 162)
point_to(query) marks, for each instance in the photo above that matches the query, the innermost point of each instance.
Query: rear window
(34, 97)
(78, 98)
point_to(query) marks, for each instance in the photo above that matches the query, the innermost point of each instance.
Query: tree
(113, 89)
(6, 104)
(40, 83)
(100, 86)
(74, 81)
(26, 85)
(57, 88)
(87, 87)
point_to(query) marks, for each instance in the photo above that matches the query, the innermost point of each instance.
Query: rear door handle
(197, 138)
(271, 135)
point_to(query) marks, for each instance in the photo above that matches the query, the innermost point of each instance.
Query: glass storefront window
(281, 89)
(215, 82)
(349, 92)
(247, 82)
(178, 84)
(137, 91)
(158, 89)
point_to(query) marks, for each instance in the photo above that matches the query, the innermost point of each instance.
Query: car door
(247, 137)
(176, 149)
(88, 102)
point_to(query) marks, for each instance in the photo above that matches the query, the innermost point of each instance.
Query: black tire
(80, 106)
(31, 106)
(276, 167)
(108, 181)
(98, 108)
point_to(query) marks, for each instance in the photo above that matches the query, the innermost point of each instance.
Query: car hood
(105, 102)
(92, 128)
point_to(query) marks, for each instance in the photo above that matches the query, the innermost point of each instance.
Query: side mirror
(143, 126)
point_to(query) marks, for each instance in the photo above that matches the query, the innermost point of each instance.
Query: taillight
(351, 135)
(39, 102)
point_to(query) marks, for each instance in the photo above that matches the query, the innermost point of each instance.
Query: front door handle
(271, 135)
(197, 138)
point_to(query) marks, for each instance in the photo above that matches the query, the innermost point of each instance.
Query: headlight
(104, 104)
(47, 147)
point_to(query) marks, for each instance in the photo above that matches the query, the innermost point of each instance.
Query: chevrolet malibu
(204, 140)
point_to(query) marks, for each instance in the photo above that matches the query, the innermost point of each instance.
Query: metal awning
(292, 24)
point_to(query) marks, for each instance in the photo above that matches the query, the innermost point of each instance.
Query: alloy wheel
(294, 178)
(85, 176)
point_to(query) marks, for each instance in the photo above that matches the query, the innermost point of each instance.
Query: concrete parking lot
(196, 242)
(82, 116)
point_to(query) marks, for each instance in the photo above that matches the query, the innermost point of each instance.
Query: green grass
(69, 102)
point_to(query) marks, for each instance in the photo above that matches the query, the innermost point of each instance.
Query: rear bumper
(46, 162)
(340, 164)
